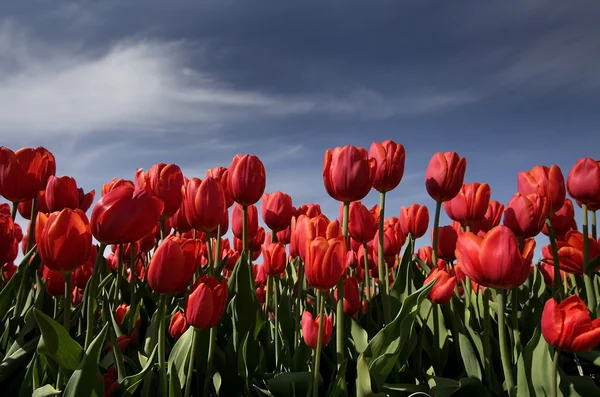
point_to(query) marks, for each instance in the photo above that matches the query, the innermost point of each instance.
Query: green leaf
(468, 386)
(290, 383)
(363, 380)
(86, 380)
(174, 385)
(56, 343)
(534, 368)
(46, 391)
(580, 386)
(359, 336)
(180, 354)
(131, 383)
(16, 358)
(338, 386)
(592, 357)
(592, 265)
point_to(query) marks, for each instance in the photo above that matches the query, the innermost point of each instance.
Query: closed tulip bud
(447, 237)
(204, 203)
(546, 182)
(120, 313)
(361, 225)
(115, 183)
(393, 239)
(165, 182)
(445, 175)
(25, 172)
(178, 325)
(442, 290)
(206, 302)
(63, 239)
(351, 296)
(525, 215)
(326, 262)
(562, 221)
(414, 220)
(491, 219)
(495, 260)
(237, 218)
(310, 330)
(570, 252)
(277, 210)
(260, 274)
(261, 293)
(222, 175)
(125, 215)
(567, 325)
(26, 206)
(334, 229)
(173, 265)
(348, 173)
(351, 259)
(583, 182)
(274, 259)
(470, 204)
(547, 272)
(63, 193)
(390, 158)
(247, 179)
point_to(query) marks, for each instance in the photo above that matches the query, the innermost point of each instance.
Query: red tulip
(173, 265)
(562, 221)
(570, 252)
(567, 325)
(445, 175)
(310, 210)
(525, 215)
(285, 236)
(178, 325)
(274, 259)
(547, 272)
(351, 296)
(63, 239)
(247, 180)
(55, 281)
(261, 293)
(491, 219)
(470, 204)
(583, 182)
(222, 175)
(260, 274)
(310, 330)
(206, 302)
(443, 288)
(63, 193)
(326, 262)
(546, 182)
(495, 260)
(115, 183)
(371, 255)
(82, 274)
(361, 225)
(277, 210)
(7, 233)
(204, 203)
(447, 237)
(348, 173)
(120, 313)
(125, 215)
(306, 229)
(9, 269)
(41, 206)
(237, 218)
(165, 182)
(414, 220)
(25, 172)
(393, 238)
(389, 157)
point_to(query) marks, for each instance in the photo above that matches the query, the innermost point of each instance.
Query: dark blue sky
(112, 86)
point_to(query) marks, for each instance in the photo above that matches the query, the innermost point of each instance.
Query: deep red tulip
(562, 221)
(393, 238)
(495, 260)
(570, 252)
(120, 313)
(222, 175)
(525, 215)
(310, 330)
(55, 281)
(326, 262)
(348, 173)
(447, 237)
(389, 157)
(9, 269)
(351, 296)
(178, 325)
(491, 219)
(173, 265)
(443, 288)
(306, 229)
(583, 182)
(546, 182)
(414, 220)
(25, 172)
(7, 232)
(547, 272)
(179, 220)
(277, 210)
(361, 225)
(62, 192)
(274, 259)
(470, 204)
(567, 325)
(334, 229)
(206, 303)
(371, 256)
(260, 274)
(237, 218)
(204, 203)
(125, 215)
(310, 210)
(165, 182)
(115, 183)
(261, 293)
(25, 206)
(445, 175)
(82, 274)
(247, 179)
(285, 236)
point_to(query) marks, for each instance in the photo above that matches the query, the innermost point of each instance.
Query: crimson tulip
(491, 219)
(204, 202)
(447, 237)
(393, 238)
(445, 175)
(25, 172)
(361, 224)
(247, 180)
(442, 290)
(389, 158)
(583, 181)
(326, 262)
(7, 232)
(310, 210)
(306, 229)
(310, 330)
(222, 175)
(470, 204)
(178, 325)
(25, 207)
(348, 173)
(525, 215)
(206, 303)
(115, 183)
(165, 182)
(546, 182)
(173, 265)
(351, 296)
(62, 192)
(562, 221)
(274, 259)
(237, 219)
(414, 220)
(570, 252)
(277, 210)
(55, 281)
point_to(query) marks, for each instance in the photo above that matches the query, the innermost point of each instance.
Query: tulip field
(136, 291)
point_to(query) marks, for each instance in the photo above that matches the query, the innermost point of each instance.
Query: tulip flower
(326, 262)
(306, 229)
(165, 182)
(25, 207)
(549, 183)
(25, 172)
(393, 238)
(445, 175)
(237, 217)
(389, 158)
(310, 210)
(491, 219)
(55, 281)
(348, 173)
(583, 181)
(173, 265)
(277, 210)
(8, 270)
(206, 303)
(470, 204)
(442, 290)
(525, 215)
(310, 329)
(222, 175)
(7, 233)
(274, 259)
(204, 202)
(414, 220)
(567, 325)
(178, 325)
(361, 224)
(115, 183)
(570, 252)
(62, 192)
(351, 296)
(125, 215)
(447, 237)
(246, 180)
(562, 221)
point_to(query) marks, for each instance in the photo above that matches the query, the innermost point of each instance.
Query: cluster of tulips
(146, 297)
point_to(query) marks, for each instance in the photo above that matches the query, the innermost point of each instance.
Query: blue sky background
(112, 86)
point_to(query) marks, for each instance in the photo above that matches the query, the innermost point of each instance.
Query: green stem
(276, 333)
(594, 231)
(555, 373)
(383, 285)
(505, 355)
(317, 356)
(162, 367)
(436, 337)
(67, 303)
(556, 290)
(419, 358)
(487, 330)
(367, 296)
(515, 323)
(190, 371)
(339, 314)
(245, 229)
(587, 278)
(298, 307)
(210, 254)
(211, 353)
(132, 282)
(13, 213)
(163, 229)
(436, 226)
(268, 295)
(218, 257)
(118, 278)
(30, 242)
(91, 297)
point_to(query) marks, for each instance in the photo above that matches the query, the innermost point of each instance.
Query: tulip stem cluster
(91, 301)
(191, 362)
(587, 278)
(556, 289)
(211, 353)
(162, 307)
(317, 354)
(504, 352)
(555, 373)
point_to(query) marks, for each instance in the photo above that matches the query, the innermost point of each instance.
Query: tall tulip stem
(504, 352)
(589, 283)
(380, 257)
(436, 226)
(556, 290)
(162, 366)
(30, 243)
(209, 363)
(91, 297)
(118, 277)
(367, 296)
(275, 308)
(317, 356)
(594, 229)
(218, 247)
(515, 322)
(339, 314)
(244, 229)
(13, 213)
(555, 373)
(487, 330)
(67, 302)
(132, 282)
(192, 362)
(211, 264)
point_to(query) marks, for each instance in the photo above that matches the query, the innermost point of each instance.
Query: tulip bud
(351, 296)
(414, 220)
(310, 330)
(361, 225)
(583, 182)
(389, 157)
(222, 175)
(277, 210)
(447, 236)
(274, 259)
(247, 179)
(525, 215)
(25, 207)
(55, 281)
(570, 252)
(445, 175)
(115, 183)
(63, 193)
(178, 325)
(206, 302)
(442, 290)
(7, 233)
(562, 221)
(173, 265)
(348, 173)
(237, 218)
(326, 262)
(310, 210)
(204, 203)
(491, 219)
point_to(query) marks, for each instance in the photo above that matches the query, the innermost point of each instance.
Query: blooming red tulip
(306, 229)
(41, 206)
(82, 274)
(274, 259)
(414, 220)
(178, 325)
(310, 210)
(491, 219)
(173, 265)
(277, 210)
(115, 183)
(260, 274)
(326, 262)
(570, 252)
(562, 221)
(525, 215)
(261, 293)
(63, 239)
(470, 204)
(125, 215)
(361, 225)
(247, 179)
(351, 296)
(445, 175)
(443, 288)
(165, 182)
(25, 172)
(546, 182)
(447, 237)
(285, 236)
(237, 218)
(495, 260)
(62, 192)
(204, 202)
(222, 175)
(348, 173)
(567, 325)
(206, 302)
(310, 330)
(547, 272)
(389, 157)
(583, 182)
